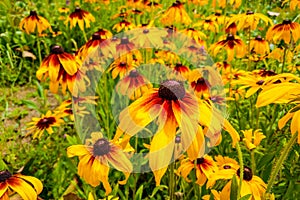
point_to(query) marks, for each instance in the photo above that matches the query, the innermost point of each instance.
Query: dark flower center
(217, 14)
(265, 73)
(56, 49)
(230, 37)
(258, 38)
(171, 90)
(133, 73)
(96, 36)
(260, 82)
(114, 38)
(177, 139)
(46, 122)
(124, 40)
(286, 21)
(123, 64)
(176, 4)
(226, 167)
(249, 12)
(145, 31)
(77, 9)
(33, 13)
(247, 173)
(200, 161)
(4, 175)
(101, 147)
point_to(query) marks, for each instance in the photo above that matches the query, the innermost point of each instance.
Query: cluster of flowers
(187, 119)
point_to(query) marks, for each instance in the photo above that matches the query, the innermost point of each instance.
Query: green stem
(283, 62)
(171, 183)
(281, 159)
(39, 49)
(253, 164)
(241, 162)
(249, 53)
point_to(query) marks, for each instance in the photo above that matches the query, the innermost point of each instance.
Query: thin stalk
(171, 183)
(39, 49)
(283, 61)
(253, 163)
(241, 162)
(279, 163)
(249, 53)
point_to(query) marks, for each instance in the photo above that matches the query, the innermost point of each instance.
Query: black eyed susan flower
(180, 71)
(294, 4)
(27, 187)
(81, 17)
(252, 138)
(285, 31)
(278, 54)
(200, 85)
(121, 66)
(231, 28)
(259, 46)
(176, 14)
(123, 26)
(104, 34)
(209, 25)
(147, 37)
(45, 123)
(251, 184)
(63, 10)
(198, 36)
(55, 65)
(198, 2)
(134, 85)
(32, 22)
(249, 20)
(95, 157)
(218, 17)
(90, 46)
(204, 167)
(233, 45)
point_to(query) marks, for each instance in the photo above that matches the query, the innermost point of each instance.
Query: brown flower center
(145, 31)
(177, 139)
(249, 12)
(258, 38)
(171, 90)
(96, 36)
(45, 123)
(230, 37)
(56, 49)
(226, 167)
(77, 9)
(286, 21)
(101, 147)
(124, 40)
(200, 161)
(4, 175)
(217, 14)
(33, 13)
(133, 73)
(260, 82)
(247, 173)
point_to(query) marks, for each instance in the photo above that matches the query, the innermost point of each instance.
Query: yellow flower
(81, 17)
(204, 167)
(278, 54)
(209, 25)
(123, 26)
(233, 45)
(27, 187)
(285, 31)
(147, 37)
(61, 67)
(252, 139)
(176, 14)
(259, 46)
(294, 4)
(94, 160)
(45, 123)
(33, 21)
(63, 10)
(249, 20)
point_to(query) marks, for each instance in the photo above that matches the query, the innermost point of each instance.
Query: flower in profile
(218, 17)
(204, 167)
(81, 17)
(285, 31)
(200, 85)
(104, 34)
(55, 65)
(180, 71)
(176, 14)
(199, 2)
(253, 138)
(259, 46)
(147, 37)
(294, 4)
(249, 20)
(121, 66)
(233, 45)
(231, 28)
(32, 22)
(45, 123)
(123, 26)
(27, 187)
(134, 85)
(63, 10)
(209, 25)
(95, 157)
(278, 54)
(251, 184)
(90, 46)
(194, 34)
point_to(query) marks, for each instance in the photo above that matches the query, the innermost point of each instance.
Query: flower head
(94, 160)
(27, 187)
(45, 123)
(176, 14)
(285, 31)
(253, 139)
(81, 17)
(32, 22)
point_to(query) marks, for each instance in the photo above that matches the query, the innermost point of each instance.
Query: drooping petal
(22, 188)
(77, 150)
(36, 183)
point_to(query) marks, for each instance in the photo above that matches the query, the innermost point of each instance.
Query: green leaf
(160, 187)
(246, 197)
(139, 193)
(234, 188)
(30, 104)
(40, 90)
